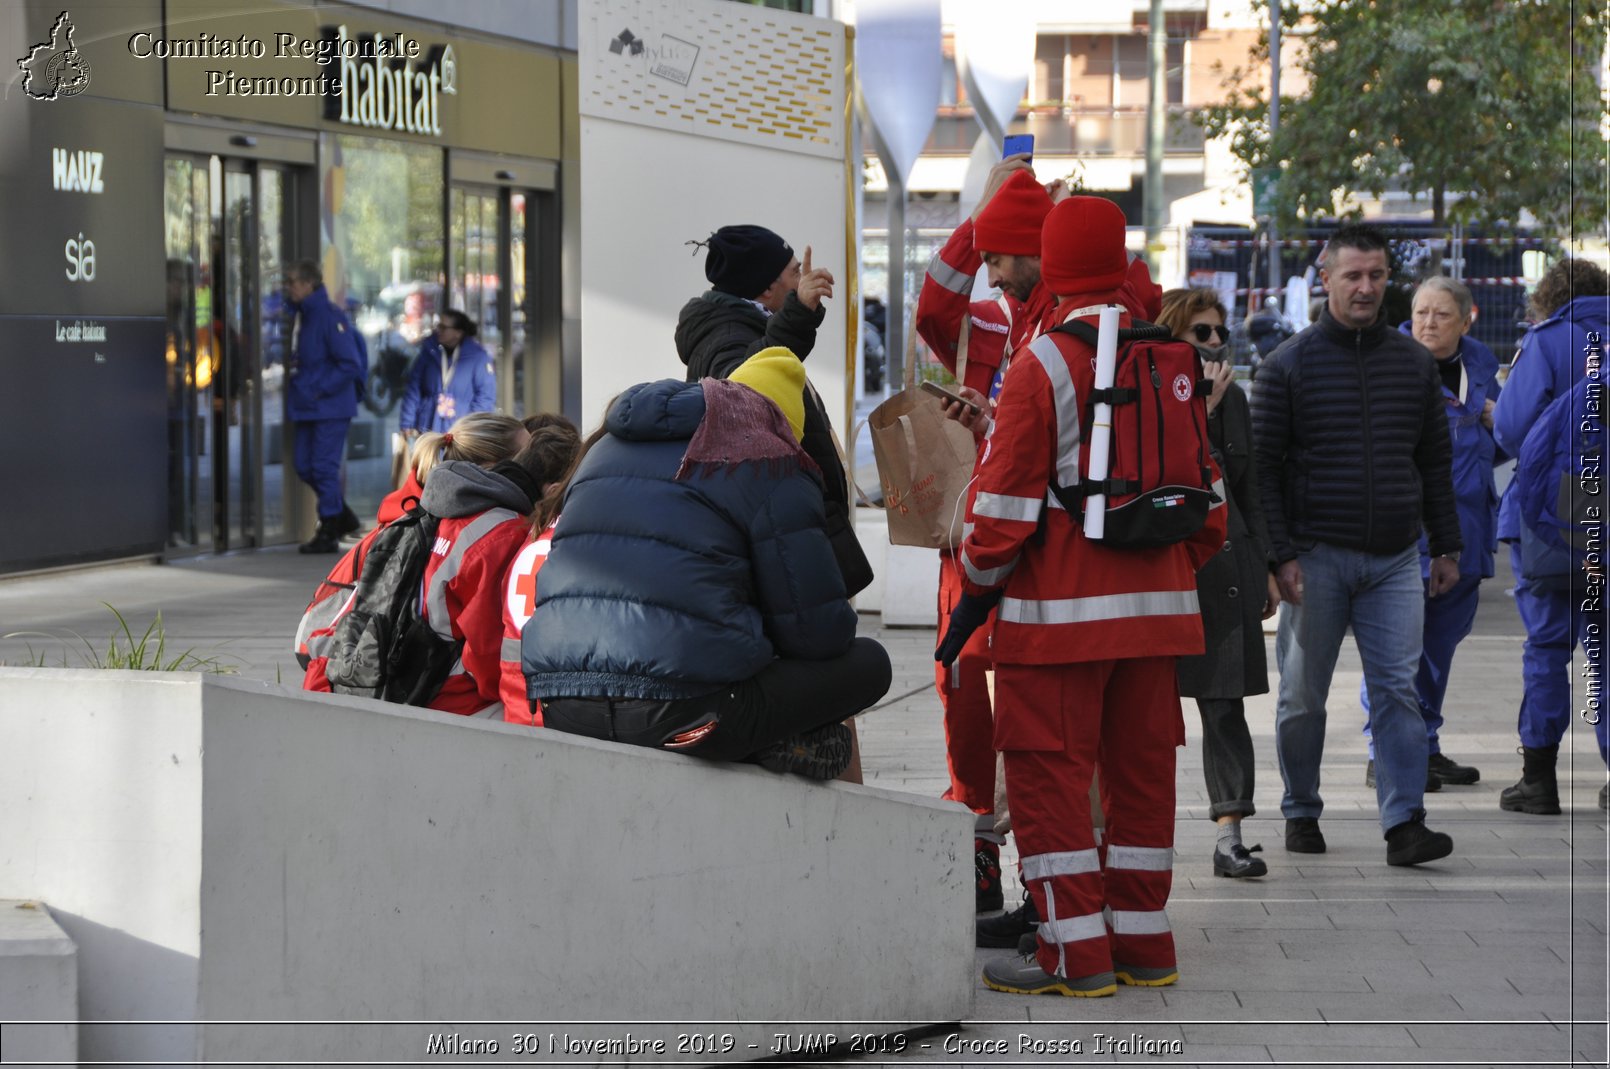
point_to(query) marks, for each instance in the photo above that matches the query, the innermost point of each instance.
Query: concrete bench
(229, 851)
(38, 983)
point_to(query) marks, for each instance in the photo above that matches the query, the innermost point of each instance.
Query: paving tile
(1542, 1038)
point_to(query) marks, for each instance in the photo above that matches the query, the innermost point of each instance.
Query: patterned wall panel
(716, 69)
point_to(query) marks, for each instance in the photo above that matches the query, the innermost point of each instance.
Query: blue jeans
(1382, 598)
(1449, 619)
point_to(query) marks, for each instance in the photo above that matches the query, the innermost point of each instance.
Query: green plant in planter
(125, 652)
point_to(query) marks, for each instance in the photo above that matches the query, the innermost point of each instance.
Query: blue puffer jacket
(1552, 357)
(663, 588)
(473, 389)
(329, 365)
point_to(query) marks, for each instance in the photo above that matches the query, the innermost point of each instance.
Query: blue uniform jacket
(1474, 453)
(1569, 438)
(664, 588)
(473, 389)
(1552, 357)
(329, 365)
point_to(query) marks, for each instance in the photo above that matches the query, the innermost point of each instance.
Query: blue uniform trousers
(1449, 619)
(320, 446)
(1555, 622)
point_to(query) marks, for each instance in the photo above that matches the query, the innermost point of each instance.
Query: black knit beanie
(743, 260)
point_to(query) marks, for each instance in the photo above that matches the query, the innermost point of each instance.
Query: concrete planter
(227, 851)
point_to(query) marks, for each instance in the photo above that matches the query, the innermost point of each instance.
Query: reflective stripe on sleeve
(1139, 922)
(436, 593)
(511, 650)
(1066, 402)
(1007, 507)
(1099, 607)
(1063, 863)
(986, 576)
(947, 276)
(1145, 858)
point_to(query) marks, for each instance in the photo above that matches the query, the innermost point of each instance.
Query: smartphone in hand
(1016, 143)
(947, 395)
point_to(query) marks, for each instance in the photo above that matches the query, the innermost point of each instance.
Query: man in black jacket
(1353, 454)
(762, 296)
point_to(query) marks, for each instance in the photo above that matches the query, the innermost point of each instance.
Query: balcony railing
(1070, 132)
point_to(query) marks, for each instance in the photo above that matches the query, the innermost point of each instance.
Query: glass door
(227, 241)
(276, 481)
(192, 355)
(480, 250)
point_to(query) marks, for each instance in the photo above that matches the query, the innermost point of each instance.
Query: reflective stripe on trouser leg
(1139, 733)
(1048, 794)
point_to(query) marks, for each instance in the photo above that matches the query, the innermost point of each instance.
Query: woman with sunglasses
(1235, 588)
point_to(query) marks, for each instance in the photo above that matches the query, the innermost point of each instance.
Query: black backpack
(1159, 483)
(383, 647)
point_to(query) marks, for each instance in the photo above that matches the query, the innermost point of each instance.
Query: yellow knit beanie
(777, 375)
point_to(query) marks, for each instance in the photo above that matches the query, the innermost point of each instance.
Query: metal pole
(1156, 106)
(1274, 126)
(894, 345)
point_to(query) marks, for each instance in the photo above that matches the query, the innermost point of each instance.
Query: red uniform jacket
(391, 506)
(519, 598)
(1069, 599)
(998, 326)
(464, 584)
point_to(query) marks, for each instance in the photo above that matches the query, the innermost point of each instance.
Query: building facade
(165, 160)
(1086, 105)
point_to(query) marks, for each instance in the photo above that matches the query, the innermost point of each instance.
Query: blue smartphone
(1016, 143)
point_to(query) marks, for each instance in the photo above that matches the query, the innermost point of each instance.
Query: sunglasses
(1203, 332)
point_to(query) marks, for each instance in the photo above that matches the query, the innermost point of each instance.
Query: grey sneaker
(821, 753)
(1023, 976)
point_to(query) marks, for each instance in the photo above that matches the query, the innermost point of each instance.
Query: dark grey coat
(1233, 585)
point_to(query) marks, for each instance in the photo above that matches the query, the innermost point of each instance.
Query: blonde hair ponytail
(482, 438)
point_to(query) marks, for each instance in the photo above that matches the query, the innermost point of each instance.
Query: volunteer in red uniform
(1084, 648)
(1003, 233)
(561, 443)
(483, 438)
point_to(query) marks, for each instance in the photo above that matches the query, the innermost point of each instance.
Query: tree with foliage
(1488, 107)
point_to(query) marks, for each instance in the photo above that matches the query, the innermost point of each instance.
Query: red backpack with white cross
(1159, 483)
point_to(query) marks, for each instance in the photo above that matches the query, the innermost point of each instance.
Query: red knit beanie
(1082, 247)
(1010, 223)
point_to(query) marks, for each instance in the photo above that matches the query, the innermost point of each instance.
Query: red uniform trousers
(964, 693)
(1056, 724)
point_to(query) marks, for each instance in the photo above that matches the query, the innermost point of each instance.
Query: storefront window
(383, 246)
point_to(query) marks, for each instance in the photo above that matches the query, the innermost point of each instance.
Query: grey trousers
(1226, 756)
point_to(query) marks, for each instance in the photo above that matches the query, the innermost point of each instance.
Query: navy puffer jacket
(1351, 437)
(663, 588)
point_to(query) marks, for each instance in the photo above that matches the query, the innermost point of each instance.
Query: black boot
(348, 522)
(325, 539)
(1537, 791)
